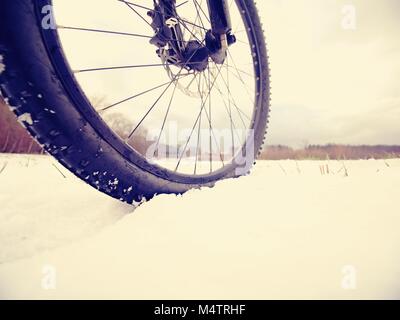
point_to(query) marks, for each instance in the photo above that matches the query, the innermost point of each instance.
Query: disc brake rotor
(190, 89)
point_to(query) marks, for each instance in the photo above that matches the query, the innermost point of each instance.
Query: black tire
(35, 90)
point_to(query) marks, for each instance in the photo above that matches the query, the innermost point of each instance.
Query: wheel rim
(218, 78)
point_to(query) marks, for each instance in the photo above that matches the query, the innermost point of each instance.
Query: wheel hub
(195, 56)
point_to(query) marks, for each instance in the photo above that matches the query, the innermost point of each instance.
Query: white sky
(330, 84)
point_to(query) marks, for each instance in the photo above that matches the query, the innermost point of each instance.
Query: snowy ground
(286, 231)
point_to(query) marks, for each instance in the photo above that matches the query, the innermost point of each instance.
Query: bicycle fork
(221, 27)
(193, 54)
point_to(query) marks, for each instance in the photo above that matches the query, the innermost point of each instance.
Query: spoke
(129, 4)
(136, 5)
(191, 81)
(195, 125)
(240, 77)
(238, 109)
(159, 98)
(135, 96)
(197, 5)
(181, 4)
(233, 100)
(105, 31)
(185, 26)
(240, 70)
(128, 67)
(230, 109)
(231, 119)
(242, 81)
(210, 117)
(148, 111)
(120, 67)
(234, 74)
(236, 29)
(211, 127)
(240, 112)
(199, 128)
(229, 112)
(183, 21)
(165, 118)
(198, 17)
(242, 42)
(195, 21)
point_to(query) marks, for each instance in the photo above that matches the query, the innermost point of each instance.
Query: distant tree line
(331, 151)
(13, 137)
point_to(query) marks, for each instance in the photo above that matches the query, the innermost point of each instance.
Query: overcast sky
(329, 83)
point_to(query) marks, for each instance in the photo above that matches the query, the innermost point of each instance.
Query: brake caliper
(191, 55)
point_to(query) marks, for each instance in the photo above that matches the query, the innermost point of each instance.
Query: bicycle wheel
(92, 83)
